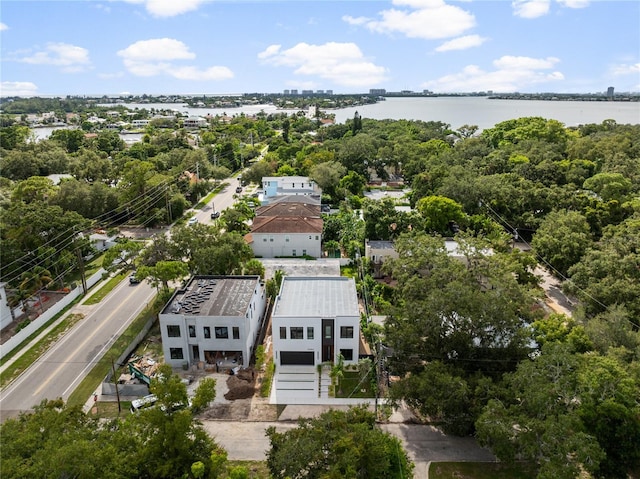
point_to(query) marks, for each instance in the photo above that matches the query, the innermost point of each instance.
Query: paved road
(223, 200)
(424, 444)
(59, 371)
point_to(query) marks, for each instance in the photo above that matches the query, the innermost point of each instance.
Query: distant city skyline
(217, 47)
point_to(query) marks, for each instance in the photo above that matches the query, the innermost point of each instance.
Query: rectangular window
(192, 331)
(347, 354)
(173, 331)
(294, 252)
(296, 333)
(271, 239)
(222, 332)
(310, 331)
(207, 332)
(327, 332)
(236, 332)
(176, 353)
(286, 238)
(346, 332)
(304, 252)
(316, 237)
(283, 332)
(264, 239)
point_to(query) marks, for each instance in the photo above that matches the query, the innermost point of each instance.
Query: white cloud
(18, 88)
(510, 74)
(193, 73)
(70, 58)
(3, 27)
(538, 8)
(509, 62)
(429, 19)
(530, 8)
(342, 63)
(154, 57)
(462, 43)
(574, 3)
(270, 51)
(355, 20)
(625, 69)
(157, 49)
(168, 8)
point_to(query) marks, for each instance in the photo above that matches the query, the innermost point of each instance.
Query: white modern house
(213, 320)
(288, 185)
(314, 320)
(5, 310)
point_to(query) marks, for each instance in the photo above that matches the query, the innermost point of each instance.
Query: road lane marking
(81, 346)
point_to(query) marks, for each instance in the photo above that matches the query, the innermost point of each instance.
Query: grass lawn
(109, 409)
(105, 289)
(352, 387)
(481, 470)
(256, 469)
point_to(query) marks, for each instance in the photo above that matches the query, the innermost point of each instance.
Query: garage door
(296, 358)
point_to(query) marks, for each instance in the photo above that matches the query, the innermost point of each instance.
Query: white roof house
(314, 320)
(289, 185)
(214, 321)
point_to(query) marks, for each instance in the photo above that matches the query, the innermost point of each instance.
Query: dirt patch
(241, 385)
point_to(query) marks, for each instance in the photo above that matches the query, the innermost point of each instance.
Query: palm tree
(35, 280)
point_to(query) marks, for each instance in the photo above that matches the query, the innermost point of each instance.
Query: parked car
(239, 189)
(133, 278)
(215, 215)
(192, 221)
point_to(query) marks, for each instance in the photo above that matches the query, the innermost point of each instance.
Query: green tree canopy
(337, 444)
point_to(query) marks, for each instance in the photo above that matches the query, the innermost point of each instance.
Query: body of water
(454, 111)
(486, 113)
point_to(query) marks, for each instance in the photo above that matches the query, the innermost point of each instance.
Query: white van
(144, 402)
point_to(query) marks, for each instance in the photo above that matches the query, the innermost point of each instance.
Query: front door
(196, 353)
(327, 340)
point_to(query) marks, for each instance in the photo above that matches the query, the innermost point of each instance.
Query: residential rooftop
(317, 296)
(213, 296)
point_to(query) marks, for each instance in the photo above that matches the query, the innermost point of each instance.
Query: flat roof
(213, 296)
(317, 296)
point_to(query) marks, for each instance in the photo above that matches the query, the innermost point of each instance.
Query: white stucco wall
(271, 245)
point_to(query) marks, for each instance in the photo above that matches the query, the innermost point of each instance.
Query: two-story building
(214, 320)
(287, 227)
(289, 185)
(314, 320)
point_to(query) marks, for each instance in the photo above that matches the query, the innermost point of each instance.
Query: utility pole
(81, 266)
(115, 381)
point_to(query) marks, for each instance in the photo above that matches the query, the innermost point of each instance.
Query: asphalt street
(59, 371)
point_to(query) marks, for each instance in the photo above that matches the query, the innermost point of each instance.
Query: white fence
(45, 317)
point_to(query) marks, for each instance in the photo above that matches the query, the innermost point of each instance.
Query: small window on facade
(309, 236)
(286, 238)
(271, 239)
(346, 332)
(309, 332)
(327, 332)
(264, 239)
(207, 332)
(347, 354)
(317, 238)
(192, 331)
(176, 353)
(294, 253)
(304, 252)
(296, 333)
(283, 332)
(173, 331)
(236, 332)
(222, 332)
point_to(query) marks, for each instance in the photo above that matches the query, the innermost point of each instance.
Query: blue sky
(87, 47)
